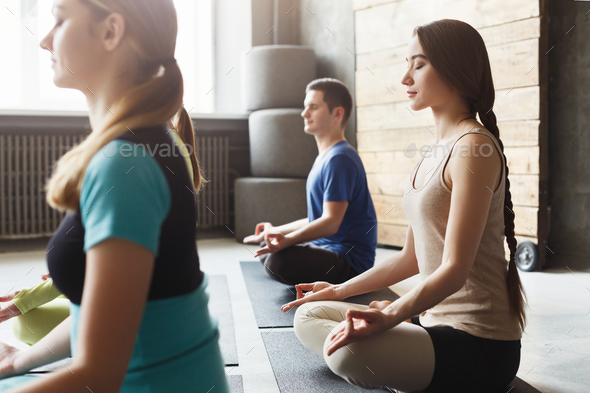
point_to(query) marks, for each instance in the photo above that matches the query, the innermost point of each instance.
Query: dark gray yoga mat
(52, 366)
(520, 386)
(297, 369)
(220, 308)
(267, 296)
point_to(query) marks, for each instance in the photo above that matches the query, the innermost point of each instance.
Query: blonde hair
(151, 28)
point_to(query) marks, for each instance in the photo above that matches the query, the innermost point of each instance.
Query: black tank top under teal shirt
(136, 188)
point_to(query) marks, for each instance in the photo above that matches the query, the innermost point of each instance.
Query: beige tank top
(481, 307)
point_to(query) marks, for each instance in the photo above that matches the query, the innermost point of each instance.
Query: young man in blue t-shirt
(338, 238)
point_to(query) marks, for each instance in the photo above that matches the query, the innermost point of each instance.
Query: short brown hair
(335, 94)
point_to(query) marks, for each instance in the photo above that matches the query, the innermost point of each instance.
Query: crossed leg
(401, 358)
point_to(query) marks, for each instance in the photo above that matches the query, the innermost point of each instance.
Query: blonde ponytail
(184, 126)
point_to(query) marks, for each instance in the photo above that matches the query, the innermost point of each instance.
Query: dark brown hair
(336, 94)
(459, 56)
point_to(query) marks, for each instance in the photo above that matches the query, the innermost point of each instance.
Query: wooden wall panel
(390, 25)
(511, 65)
(521, 161)
(513, 134)
(362, 4)
(494, 35)
(511, 104)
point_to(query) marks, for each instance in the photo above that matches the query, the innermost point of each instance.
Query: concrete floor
(556, 344)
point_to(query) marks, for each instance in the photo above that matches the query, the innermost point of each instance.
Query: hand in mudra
(319, 290)
(275, 242)
(261, 229)
(358, 325)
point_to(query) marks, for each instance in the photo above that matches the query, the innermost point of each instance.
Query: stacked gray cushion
(278, 145)
(262, 199)
(275, 76)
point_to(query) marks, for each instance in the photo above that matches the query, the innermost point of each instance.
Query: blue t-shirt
(339, 176)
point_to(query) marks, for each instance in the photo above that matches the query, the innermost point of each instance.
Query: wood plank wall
(385, 126)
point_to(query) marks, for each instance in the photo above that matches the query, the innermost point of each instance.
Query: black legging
(466, 363)
(306, 263)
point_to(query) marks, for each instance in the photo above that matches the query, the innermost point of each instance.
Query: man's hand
(262, 228)
(275, 241)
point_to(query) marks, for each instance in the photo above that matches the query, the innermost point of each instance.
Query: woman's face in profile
(425, 88)
(75, 53)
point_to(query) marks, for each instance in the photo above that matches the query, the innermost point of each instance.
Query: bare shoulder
(476, 153)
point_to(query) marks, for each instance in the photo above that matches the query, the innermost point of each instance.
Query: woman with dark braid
(459, 330)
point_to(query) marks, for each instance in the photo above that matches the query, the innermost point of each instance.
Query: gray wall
(333, 58)
(569, 133)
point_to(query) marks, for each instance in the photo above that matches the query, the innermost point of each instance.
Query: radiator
(213, 200)
(26, 162)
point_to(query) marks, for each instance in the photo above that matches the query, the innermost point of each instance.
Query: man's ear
(338, 113)
(113, 31)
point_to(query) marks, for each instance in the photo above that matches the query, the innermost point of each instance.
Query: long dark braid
(516, 294)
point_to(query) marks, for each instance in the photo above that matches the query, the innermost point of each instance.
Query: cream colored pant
(401, 358)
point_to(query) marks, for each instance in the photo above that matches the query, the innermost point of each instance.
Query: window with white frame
(26, 76)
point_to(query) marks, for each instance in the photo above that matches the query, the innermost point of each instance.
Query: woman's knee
(35, 324)
(325, 310)
(24, 326)
(344, 364)
(314, 321)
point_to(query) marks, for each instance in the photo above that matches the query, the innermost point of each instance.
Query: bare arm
(54, 346)
(107, 326)
(262, 228)
(292, 226)
(326, 225)
(394, 269)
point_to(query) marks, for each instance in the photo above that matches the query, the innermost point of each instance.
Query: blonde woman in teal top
(129, 231)
(39, 309)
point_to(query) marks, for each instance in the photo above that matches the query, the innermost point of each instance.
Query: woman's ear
(113, 31)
